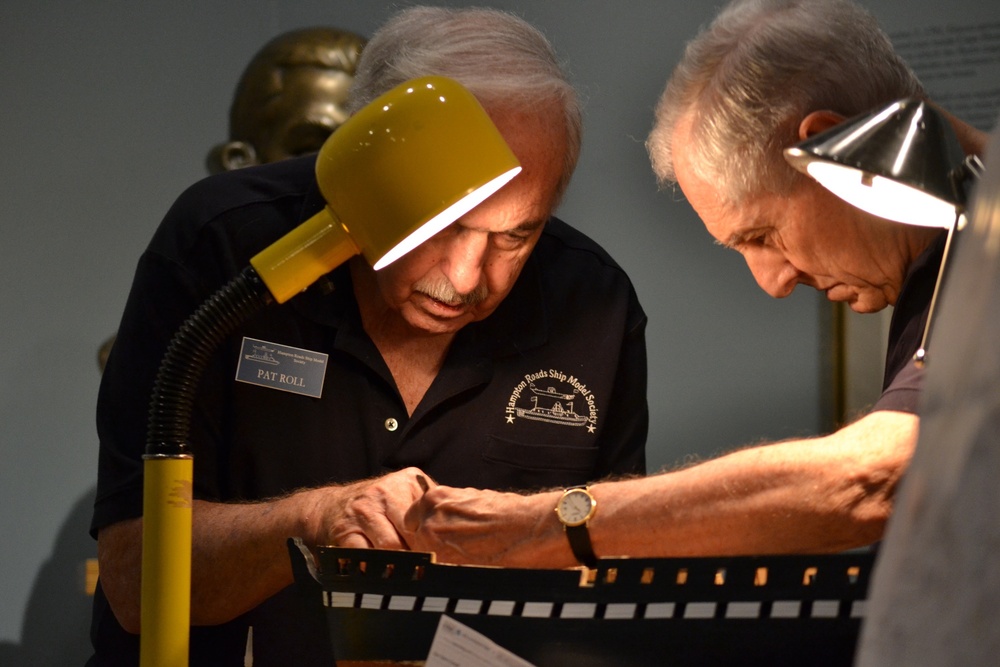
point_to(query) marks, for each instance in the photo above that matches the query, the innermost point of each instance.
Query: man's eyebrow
(736, 239)
(530, 225)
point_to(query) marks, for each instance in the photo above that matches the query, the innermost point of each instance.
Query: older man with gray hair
(472, 360)
(764, 75)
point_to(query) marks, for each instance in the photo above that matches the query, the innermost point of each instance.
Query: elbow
(124, 603)
(209, 612)
(119, 562)
(119, 555)
(127, 615)
(868, 527)
(869, 505)
(881, 446)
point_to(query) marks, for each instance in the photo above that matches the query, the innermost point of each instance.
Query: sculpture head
(289, 99)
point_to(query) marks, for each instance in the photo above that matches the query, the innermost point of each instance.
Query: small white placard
(458, 644)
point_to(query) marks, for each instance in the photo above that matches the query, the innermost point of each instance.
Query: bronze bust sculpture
(290, 97)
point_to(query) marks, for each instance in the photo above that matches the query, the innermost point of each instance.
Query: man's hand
(480, 527)
(365, 514)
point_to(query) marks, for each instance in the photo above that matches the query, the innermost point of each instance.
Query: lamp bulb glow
(445, 218)
(883, 197)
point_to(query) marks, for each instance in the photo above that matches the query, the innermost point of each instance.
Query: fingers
(416, 522)
(355, 541)
(424, 484)
(375, 531)
(481, 527)
(366, 514)
(425, 481)
(414, 516)
(441, 519)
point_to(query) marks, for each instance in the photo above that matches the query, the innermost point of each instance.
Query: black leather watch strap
(574, 509)
(579, 542)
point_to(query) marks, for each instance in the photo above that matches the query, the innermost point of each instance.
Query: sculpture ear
(229, 156)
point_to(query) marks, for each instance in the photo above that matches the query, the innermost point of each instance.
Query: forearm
(238, 558)
(678, 515)
(239, 551)
(823, 494)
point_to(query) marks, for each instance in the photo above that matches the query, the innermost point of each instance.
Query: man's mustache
(445, 292)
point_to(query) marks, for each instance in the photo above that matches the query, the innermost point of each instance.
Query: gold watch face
(575, 507)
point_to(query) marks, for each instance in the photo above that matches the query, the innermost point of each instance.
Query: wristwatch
(575, 508)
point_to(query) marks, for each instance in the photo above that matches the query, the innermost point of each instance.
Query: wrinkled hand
(365, 514)
(480, 527)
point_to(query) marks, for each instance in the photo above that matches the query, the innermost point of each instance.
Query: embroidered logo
(556, 398)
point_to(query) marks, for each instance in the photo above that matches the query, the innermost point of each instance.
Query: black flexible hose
(188, 355)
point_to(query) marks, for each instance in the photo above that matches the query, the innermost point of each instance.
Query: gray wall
(108, 110)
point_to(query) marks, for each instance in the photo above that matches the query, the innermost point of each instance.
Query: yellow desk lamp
(397, 172)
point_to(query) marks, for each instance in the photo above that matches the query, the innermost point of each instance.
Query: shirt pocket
(529, 466)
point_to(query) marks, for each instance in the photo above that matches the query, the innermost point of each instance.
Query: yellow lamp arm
(300, 257)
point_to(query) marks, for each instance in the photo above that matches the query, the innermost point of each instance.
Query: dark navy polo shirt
(548, 391)
(903, 380)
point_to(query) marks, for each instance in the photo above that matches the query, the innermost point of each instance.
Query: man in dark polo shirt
(506, 352)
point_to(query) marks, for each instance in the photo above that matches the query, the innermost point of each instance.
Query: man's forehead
(734, 223)
(506, 214)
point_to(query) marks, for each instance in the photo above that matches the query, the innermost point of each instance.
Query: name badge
(282, 367)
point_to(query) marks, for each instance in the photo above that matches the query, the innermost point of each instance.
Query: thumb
(414, 517)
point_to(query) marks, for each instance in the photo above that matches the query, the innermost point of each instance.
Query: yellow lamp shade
(398, 171)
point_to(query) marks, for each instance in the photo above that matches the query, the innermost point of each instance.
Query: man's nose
(465, 261)
(776, 276)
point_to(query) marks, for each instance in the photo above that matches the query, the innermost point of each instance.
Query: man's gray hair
(504, 61)
(758, 69)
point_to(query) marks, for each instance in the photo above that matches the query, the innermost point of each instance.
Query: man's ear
(817, 122)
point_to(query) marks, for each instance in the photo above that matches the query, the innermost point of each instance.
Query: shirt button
(391, 424)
